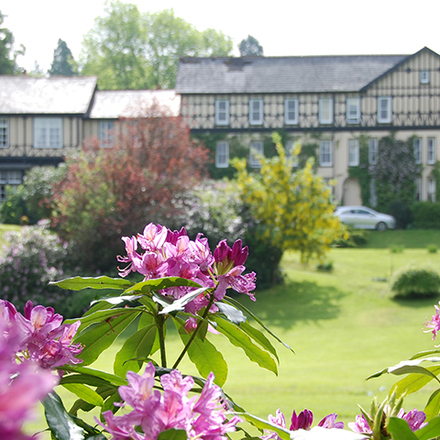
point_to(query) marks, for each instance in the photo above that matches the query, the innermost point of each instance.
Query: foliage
(395, 172)
(432, 249)
(8, 65)
(31, 258)
(250, 47)
(361, 172)
(397, 249)
(130, 50)
(401, 212)
(355, 237)
(63, 63)
(13, 208)
(109, 191)
(416, 283)
(426, 215)
(293, 209)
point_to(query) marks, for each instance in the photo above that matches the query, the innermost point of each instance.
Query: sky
(283, 27)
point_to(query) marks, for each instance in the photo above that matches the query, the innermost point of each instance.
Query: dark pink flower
(434, 324)
(360, 425)
(303, 420)
(330, 422)
(415, 419)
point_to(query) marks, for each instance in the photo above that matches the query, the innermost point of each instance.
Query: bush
(356, 237)
(325, 267)
(13, 208)
(30, 259)
(397, 249)
(416, 283)
(432, 249)
(401, 212)
(426, 215)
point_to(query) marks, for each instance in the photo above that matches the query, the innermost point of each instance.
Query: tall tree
(250, 47)
(8, 65)
(130, 50)
(63, 63)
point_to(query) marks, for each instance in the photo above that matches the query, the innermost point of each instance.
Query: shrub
(426, 215)
(401, 212)
(356, 237)
(397, 249)
(13, 208)
(30, 259)
(432, 249)
(325, 267)
(416, 283)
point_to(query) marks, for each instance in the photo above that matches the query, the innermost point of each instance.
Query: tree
(109, 192)
(63, 63)
(250, 47)
(8, 56)
(293, 208)
(130, 50)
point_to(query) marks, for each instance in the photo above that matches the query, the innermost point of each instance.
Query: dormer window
(424, 77)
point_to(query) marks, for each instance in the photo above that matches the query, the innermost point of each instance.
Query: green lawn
(343, 327)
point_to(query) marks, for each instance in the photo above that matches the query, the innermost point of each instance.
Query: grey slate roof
(112, 104)
(282, 74)
(51, 96)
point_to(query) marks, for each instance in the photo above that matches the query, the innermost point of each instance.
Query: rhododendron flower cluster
(169, 253)
(154, 412)
(44, 339)
(434, 324)
(22, 385)
(303, 420)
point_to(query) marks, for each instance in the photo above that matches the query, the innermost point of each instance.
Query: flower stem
(160, 321)
(194, 333)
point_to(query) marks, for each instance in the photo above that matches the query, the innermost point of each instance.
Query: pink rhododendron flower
(303, 420)
(153, 412)
(416, 419)
(360, 425)
(434, 324)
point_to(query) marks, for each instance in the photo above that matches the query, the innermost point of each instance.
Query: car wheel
(381, 226)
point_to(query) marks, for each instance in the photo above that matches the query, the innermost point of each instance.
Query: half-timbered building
(334, 100)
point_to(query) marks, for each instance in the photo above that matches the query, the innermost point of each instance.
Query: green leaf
(179, 304)
(80, 283)
(233, 314)
(159, 284)
(259, 337)
(240, 339)
(432, 408)
(399, 429)
(425, 353)
(115, 300)
(172, 434)
(85, 379)
(413, 382)
(85, 393)
(137, 345)
(431, 430)
(111, 378)
(100, 316)
(101, 336)
(265, 424)
(60, 422)
(204, 355)
(236, 303)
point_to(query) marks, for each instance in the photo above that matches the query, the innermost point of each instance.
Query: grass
(7, 228)
(343, 326)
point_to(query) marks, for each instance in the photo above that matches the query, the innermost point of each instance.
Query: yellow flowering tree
(292, 206)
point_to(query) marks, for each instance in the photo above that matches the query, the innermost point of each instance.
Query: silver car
(365, 218)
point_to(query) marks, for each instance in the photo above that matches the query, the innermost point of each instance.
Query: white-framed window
(256, 150)
(256, 112)
(384, 114)
(418, 195)
(325, 110)
(424, 77)
(222, 154)
(4, 132)
(222, 112)
(326, 153)
(291, 111)
(12, 178)
(418, 149)
(432, 189)
(431, 150)
(372, 151)
(353, 110)
(106, 133)
(48, 132)
(353, 152)
(290, 148)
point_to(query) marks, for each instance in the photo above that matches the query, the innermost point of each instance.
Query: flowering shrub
(184, 284)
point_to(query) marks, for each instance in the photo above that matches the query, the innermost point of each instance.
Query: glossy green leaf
(60, 422)
(407, 367)
(413, 382)
(84, 393)
(148, 303)
(259, 337)
(100, 316)
(236, 303)
(95, 308)
(80, 283)
(399, 429)
(204, 355)
(108, 377)
(283, 433)
(116, 300)
(159, 284)
(85, 379)
(432, 408)
(425, 353)
(240, 339)
(431, 430)
(137, 345)
(101, 336)
(179, 304)
(172, 434)
(232, 313)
